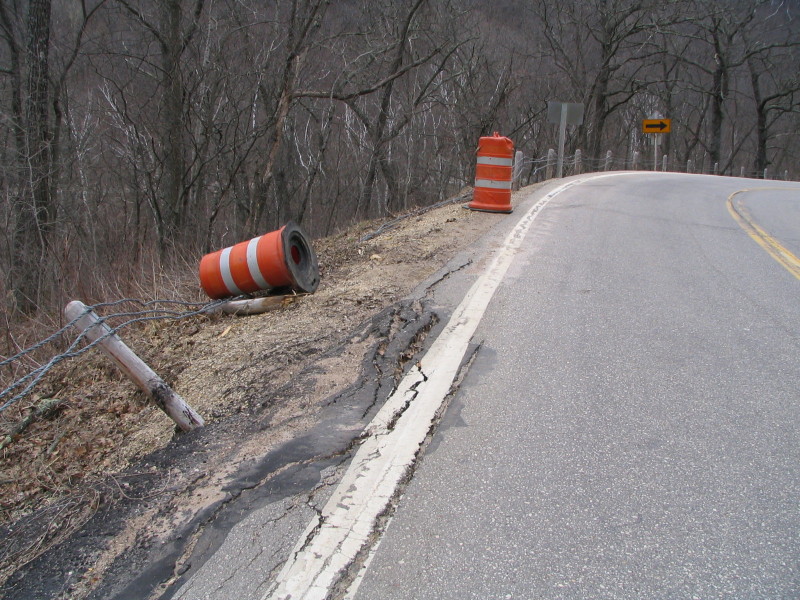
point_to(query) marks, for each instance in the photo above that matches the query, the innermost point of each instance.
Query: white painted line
(393, 438)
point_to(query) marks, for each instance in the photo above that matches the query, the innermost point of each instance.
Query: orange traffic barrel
(281, 259)
(493, 175)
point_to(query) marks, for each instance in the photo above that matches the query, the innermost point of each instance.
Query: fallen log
(45, 407)
(255, 306)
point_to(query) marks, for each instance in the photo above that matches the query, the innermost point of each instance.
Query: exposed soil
(103, 473)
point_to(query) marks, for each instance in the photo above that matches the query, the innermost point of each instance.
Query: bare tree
(772, 58)
(35, 122)
(600, 48)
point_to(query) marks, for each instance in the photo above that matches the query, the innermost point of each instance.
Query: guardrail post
(578, 162)
(551, 161)
(689, 166)
(716, 168)
(765, 174)
(134, 367)
(635, 161)
(664, 163)
(518, 160)
(607, 164)
(741, 172)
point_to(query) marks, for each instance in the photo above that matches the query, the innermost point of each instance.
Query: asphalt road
(629, 428)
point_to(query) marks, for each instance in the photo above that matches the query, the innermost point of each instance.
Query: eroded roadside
(288, 393)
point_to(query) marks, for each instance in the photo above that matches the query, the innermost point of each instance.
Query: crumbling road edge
(391, 445)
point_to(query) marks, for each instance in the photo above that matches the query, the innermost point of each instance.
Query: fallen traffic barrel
(493, 175)
(281, 259)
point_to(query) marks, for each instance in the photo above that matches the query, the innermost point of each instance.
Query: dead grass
(55, 473)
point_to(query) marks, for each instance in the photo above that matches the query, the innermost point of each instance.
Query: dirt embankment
(109, 466)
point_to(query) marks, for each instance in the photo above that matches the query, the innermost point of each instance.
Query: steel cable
(35, 376)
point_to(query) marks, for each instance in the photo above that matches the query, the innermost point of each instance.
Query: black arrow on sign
(661, 126)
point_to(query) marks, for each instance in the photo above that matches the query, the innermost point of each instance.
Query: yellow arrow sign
(656, 125)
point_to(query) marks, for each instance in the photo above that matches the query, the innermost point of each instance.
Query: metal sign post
(656, 143)
(562, 136)
(655, 127)
(563, 114)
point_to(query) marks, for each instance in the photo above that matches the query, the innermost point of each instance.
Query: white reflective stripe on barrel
(252, 264)
(495, 185)
(225, 271)
(496, 161)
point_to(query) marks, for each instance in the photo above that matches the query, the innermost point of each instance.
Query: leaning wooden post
(134, 367)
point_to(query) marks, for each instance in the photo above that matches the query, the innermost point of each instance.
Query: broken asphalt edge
(296, 464)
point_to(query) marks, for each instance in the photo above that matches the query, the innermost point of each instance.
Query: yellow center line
(775, 249)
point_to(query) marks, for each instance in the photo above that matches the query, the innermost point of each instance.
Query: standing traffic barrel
(493, 175)
(281, 259)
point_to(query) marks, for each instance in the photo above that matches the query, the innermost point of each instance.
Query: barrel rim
(303, 267)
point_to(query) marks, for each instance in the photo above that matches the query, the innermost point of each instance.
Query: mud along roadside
(288, 394)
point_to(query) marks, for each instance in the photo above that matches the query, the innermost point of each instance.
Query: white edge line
(368, 486)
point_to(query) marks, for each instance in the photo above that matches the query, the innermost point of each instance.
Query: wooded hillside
(139, 134)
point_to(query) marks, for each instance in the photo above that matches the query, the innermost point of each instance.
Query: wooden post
(551, 159)
(607, 164)
(578, 162)
(518, 160)
(716, 168)
(765, 174)
(741, 172)
(664, 163)
(134, 367)
(689, 166)
(635, 160)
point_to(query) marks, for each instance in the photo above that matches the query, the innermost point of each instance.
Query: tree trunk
(760, 160)
(172, 110)
(36, 212)
(377, 133)
(718, 93)
(600, 109)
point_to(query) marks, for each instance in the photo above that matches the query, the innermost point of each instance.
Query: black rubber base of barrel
(506, 212)
(300, 259)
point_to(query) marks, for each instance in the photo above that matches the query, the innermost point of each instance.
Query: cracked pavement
(287, 405)
(256, 549)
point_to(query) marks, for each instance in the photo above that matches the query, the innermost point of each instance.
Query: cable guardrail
(532, 170)
(34, 377)
(577, 163)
